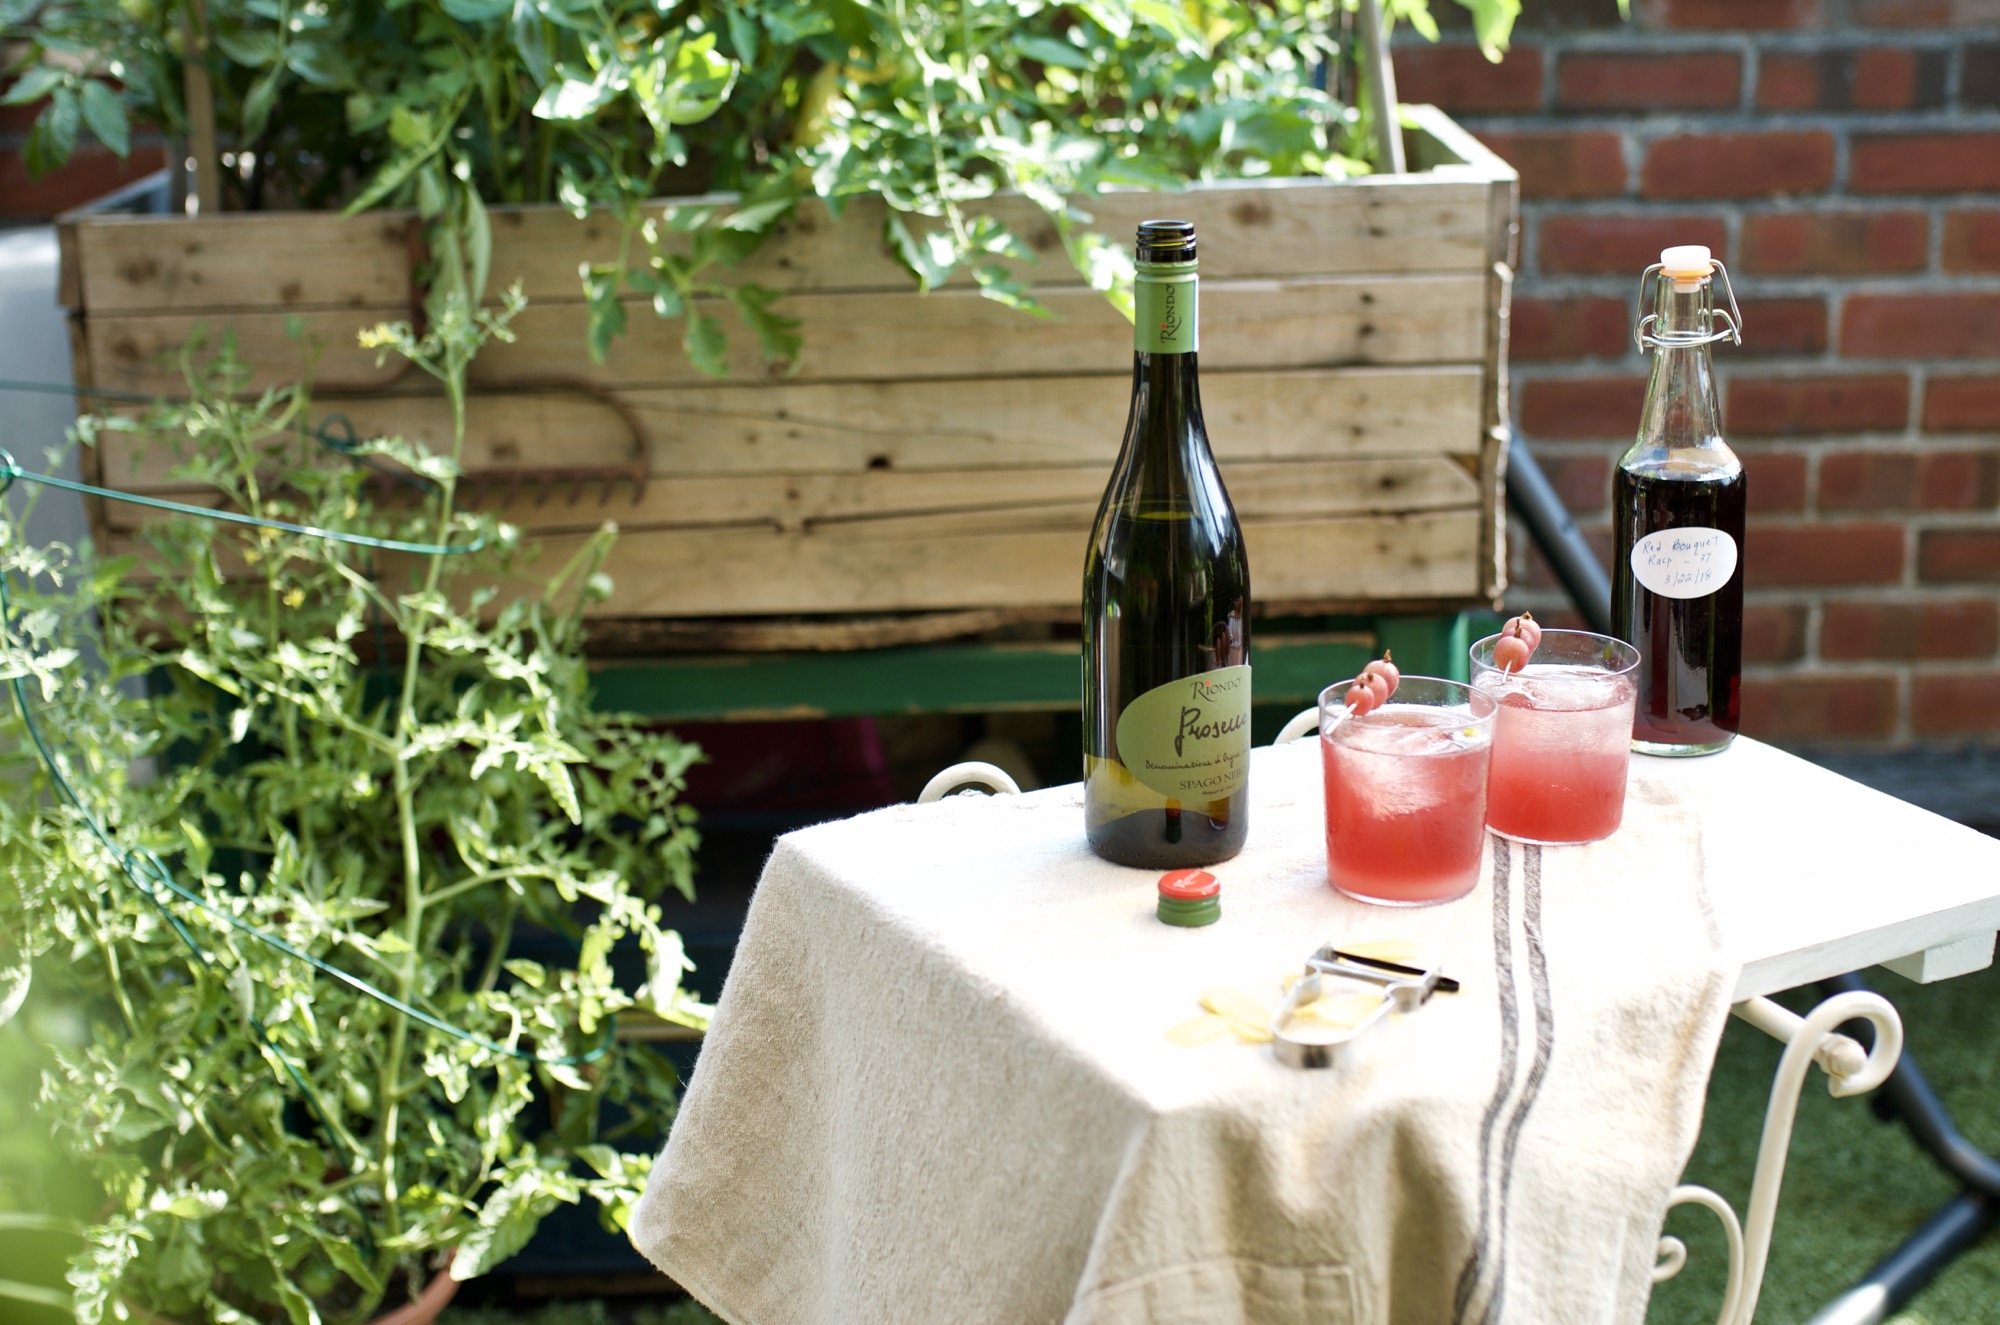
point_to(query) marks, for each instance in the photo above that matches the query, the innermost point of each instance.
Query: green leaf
(608, 1162)
(706, 344)
(1172, 18)
(742, 33)
(1047, 50)
(667, 301)
(477, 229)
(798, 23)
(532, 974)
(253, 48)
(199, 851)
(1114, 16)
(929, 258)
(387, 180)
(347, 1258)
(997, 284)
(575, 99)
(51, 1298)
(257, 103)
(56, 127)
(758, 216)
(104, 114)
(33, 86)
(14, 982)
(320, 60)
(296, 1304)
(607, 313)
(478, 11)
(777, 335)
(1493, 23)
(510, 1218)
(193, 1205)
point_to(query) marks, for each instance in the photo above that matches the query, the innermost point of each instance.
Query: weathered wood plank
(992, 560)
(915, 565)
(237, 261)
(311, 261)
(985, 423)
(877, 337)
(1260, 491)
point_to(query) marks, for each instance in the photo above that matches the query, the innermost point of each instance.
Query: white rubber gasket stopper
(1687, 262)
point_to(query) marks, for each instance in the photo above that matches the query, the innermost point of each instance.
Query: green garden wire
(9, 471)
(152, 876)
(335, 432)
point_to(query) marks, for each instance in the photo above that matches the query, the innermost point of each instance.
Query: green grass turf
(1855, 1186)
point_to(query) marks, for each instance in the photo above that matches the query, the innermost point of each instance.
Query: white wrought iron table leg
(1851, 1070)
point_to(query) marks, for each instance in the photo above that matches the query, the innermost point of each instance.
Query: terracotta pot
(437, 1293)
(440, 1290)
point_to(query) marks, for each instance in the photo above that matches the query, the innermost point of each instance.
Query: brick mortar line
(1651, 125)
(1980, 521)
(1813, 448)
(1668, 41)
(1867, 596)
(1857, 668)
(1789, 365)
(1778, 285)
(1638, 206)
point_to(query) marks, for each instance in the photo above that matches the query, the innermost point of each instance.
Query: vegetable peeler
(1404, 989)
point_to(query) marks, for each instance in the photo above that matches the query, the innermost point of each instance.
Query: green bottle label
(1163, 308)
(1190, 739)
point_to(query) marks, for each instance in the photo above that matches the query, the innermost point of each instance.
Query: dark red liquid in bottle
(1690, 649)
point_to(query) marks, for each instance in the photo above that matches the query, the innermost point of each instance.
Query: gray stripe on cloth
(1510, 1043)
(1538, 1070)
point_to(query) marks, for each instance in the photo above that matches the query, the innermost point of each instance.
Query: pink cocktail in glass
(1562, 740)
(1406, 792)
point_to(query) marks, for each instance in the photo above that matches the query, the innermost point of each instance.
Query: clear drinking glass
(1406, 791)
(1563, 739)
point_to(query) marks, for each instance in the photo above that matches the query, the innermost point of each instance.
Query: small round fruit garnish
(1386, 668)
(1519, 639)
(1373, 687)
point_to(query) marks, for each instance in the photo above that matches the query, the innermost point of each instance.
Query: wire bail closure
(1732, 318)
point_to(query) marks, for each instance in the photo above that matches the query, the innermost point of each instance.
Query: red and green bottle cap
(1190, 898)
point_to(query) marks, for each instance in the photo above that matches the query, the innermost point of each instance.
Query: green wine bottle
(1166, 605)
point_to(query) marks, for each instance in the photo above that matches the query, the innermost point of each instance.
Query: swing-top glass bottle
(1678, 505)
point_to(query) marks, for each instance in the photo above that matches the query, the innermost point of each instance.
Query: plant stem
(472, 881)
(390, 1091)
(503, 933)
(934, 122)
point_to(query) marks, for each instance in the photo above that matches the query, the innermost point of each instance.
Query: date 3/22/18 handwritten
(1684, 563)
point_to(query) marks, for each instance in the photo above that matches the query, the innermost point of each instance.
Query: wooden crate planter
(933, 453)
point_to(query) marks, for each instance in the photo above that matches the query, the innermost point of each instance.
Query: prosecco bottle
(1678, 506)
(1166, 605)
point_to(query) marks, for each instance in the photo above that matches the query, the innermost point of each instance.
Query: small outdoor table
(938, 1088)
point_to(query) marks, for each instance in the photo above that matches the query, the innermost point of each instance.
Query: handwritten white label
(1684, 563)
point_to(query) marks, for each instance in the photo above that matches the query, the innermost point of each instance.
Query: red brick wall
(1843, 158)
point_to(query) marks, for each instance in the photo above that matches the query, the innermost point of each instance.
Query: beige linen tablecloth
(937, 1087)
